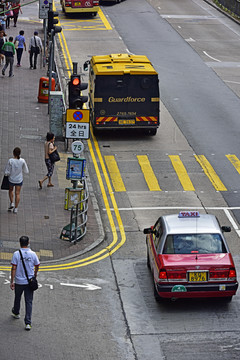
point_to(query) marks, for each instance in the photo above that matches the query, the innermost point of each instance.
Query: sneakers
(14, 315)
(11, 75)
(15, 210)
(28, 327)
(11, 206)
(3, 72)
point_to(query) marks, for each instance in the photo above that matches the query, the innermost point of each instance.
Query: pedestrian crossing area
(145, 172)
(173, 172)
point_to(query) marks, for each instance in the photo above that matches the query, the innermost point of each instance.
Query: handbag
(36, 48)
(54, 156)
(33, 283)
(16, 44)
(5, 183)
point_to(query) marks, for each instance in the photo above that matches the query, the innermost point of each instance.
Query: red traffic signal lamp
(75, 86)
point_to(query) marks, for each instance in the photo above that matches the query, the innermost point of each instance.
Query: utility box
(73, 197)
(56, 108)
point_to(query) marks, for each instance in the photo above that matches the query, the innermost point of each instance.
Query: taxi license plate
(77, 3)
(197, 276)
(126, 122)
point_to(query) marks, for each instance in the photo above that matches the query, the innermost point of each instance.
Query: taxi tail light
(232, 274)
(162, 275)
(228, 274)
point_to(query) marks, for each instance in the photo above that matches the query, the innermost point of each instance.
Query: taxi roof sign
(188, 214)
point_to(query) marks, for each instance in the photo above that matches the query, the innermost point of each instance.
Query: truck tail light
(162, 275)
(95, 2)
(68, 3)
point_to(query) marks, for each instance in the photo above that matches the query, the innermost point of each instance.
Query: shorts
(14, 184)
(50, 167)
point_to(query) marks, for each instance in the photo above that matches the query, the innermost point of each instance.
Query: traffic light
(52, 22)
(75, 86)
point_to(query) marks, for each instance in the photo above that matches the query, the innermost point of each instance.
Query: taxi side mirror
(147, 231)
(85, 65)
(226, 228)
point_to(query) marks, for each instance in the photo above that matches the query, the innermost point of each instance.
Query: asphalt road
(120, 319)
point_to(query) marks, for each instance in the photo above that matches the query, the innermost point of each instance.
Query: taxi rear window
(194, 244)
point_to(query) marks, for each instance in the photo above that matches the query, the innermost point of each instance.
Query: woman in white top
(14, 171)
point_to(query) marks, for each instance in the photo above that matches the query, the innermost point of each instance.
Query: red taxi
(189, 257)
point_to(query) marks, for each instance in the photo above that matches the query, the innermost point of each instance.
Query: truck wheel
(94, 14)
(152, 132)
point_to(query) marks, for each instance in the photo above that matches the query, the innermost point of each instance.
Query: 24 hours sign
(77, 124)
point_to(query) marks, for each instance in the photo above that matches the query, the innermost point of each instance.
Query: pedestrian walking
(20, 42)
(14, 170)
(3, 39)
(35, 48)
(49, 148)
(9, 51)
(19, 282)
(16, 8)
(9, 14)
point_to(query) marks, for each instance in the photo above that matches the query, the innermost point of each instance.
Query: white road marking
(211, 56)
(86, 286)
(190, 40)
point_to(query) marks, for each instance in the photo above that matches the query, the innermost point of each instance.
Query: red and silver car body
(189, 257)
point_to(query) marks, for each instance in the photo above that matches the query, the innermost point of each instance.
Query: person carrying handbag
(49, 148)
(19, 281)
(35, 48)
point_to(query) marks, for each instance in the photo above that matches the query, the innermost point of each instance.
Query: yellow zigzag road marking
(148, 173)
(211, 174)
(181, 173)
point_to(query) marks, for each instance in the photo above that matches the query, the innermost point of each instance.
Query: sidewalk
(24, 123)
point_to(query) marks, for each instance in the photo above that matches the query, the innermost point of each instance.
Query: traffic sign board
(77, 147)
(81, 115)
(77, 131)
(44, 6)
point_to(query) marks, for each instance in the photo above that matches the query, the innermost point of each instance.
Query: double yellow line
(116, 242)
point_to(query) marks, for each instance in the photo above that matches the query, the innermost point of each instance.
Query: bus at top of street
(80, 6)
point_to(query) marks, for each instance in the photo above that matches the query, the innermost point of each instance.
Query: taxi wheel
(148, 260)
(227, 299)
(156, 295)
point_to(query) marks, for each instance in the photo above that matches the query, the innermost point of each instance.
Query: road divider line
(114, 173)
(148, 173)
(210, 173)
(181, 173)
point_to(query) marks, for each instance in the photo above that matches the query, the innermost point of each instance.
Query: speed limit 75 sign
(77, 147)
